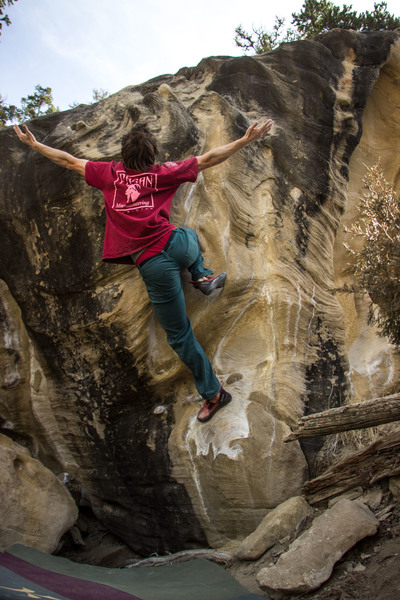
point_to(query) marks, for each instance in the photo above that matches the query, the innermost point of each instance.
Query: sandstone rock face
(373, 364)
(35, 507)
(90, 384)
(310, 559)
(276, 525)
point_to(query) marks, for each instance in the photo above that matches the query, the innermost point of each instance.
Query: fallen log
(345, 418)
(364, 468)
(220, 557)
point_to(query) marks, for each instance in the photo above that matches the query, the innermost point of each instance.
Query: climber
(138, 194)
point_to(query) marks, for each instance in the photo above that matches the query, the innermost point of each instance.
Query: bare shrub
(377, 262)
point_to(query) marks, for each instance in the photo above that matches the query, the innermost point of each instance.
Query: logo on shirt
(134, 192)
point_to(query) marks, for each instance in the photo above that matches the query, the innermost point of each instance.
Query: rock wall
(373, 364)
(35, 508)
(89, 384)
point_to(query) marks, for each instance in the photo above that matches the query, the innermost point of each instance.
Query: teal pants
(161, 275)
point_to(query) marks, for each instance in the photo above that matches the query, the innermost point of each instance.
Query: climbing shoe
(209, 408)
(211, 283)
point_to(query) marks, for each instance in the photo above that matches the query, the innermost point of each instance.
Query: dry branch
(220, 557)
(379, 460)
(352, 416)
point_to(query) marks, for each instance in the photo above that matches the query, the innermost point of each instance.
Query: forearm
(222, 153)
(64, 159)
(218, 155)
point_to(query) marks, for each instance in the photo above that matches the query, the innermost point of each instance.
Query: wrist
(34, 144)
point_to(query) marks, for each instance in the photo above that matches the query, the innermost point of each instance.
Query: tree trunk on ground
(379, 460)
(353, 416)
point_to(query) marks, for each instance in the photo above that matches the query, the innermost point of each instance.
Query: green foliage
(36, 104)
(379, 19)
(7, 112)
(319, 16)
(264, 41)
(377, 263)
(4, 18)
(315, 17)
(99, 94)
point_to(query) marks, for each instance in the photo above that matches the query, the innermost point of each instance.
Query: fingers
(25, 136)
(267, 126)
(20, 133)
(25, 128)
(250, 133)
(255, 133)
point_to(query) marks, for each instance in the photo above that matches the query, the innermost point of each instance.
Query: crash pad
(29, 573)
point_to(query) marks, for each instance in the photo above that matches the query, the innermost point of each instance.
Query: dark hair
(139, 148)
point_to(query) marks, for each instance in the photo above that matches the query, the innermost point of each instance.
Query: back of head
(139, 148)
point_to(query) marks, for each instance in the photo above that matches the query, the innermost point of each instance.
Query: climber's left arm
(64, 159)
(222, 153)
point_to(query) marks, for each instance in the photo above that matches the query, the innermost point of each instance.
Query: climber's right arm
(64, 159)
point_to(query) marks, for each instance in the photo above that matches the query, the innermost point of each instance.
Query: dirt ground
(369, 571)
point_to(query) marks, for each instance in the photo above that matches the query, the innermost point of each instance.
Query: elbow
(75, 165)
(206, 163)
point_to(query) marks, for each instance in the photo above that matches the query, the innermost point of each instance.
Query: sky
(76, 46)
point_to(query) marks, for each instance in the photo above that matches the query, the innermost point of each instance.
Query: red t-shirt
(138, 205)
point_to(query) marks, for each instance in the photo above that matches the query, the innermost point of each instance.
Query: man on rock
(138, 195)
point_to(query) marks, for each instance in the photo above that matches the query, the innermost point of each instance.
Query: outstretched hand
(255, 133)
(25, 136)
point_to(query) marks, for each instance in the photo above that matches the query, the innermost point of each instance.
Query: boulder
(85, 366)
(394, 486)
(35, 507)
(310, 559)
(279, 523)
